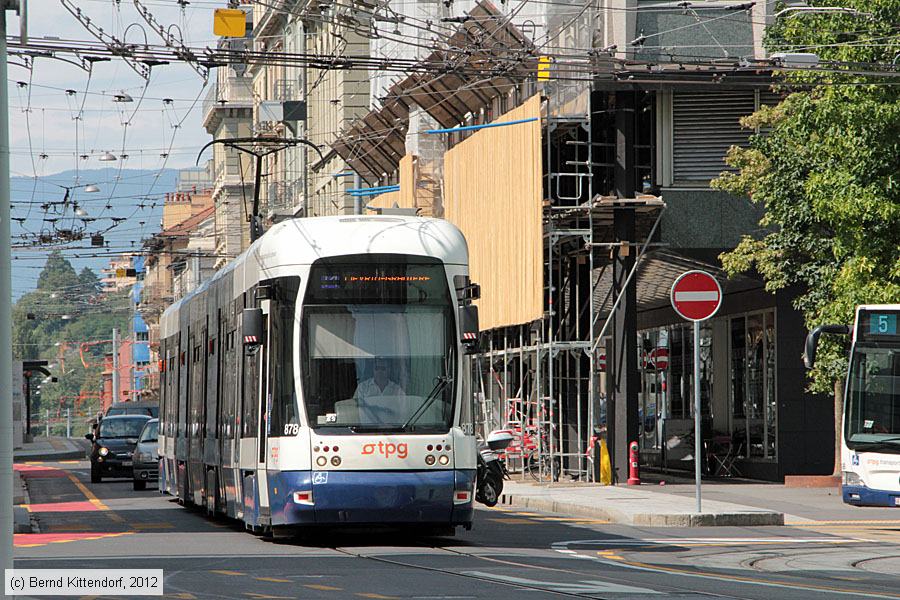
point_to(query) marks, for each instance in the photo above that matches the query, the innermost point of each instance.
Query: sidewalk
(646, 505)
(52, 448)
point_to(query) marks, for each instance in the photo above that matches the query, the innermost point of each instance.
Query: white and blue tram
(318, 379)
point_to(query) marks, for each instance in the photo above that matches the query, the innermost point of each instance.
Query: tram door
(265, 412)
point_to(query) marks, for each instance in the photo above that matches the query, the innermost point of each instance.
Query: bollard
(634, 475)
(68, 423)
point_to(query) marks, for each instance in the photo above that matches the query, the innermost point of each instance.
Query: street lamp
(91, 188)
(108, 156)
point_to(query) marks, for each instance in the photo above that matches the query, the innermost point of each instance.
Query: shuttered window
(706, 124)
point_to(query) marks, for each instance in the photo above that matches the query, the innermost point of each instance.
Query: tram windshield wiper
(442, 382)
(377, 428)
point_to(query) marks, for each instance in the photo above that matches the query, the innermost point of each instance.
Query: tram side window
(163, 417)
(283, 321)
(250, 408)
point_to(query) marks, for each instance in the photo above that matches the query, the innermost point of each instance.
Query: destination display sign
(878, 323)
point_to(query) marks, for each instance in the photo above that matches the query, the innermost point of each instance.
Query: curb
(51, 456)
(22, 522)
(726, 519)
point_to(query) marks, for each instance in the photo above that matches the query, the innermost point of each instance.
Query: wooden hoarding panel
(492, 192)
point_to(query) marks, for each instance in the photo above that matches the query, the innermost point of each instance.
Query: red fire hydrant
(634, 475)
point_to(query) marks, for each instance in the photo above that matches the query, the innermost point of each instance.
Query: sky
(42, 113)
(62, 120)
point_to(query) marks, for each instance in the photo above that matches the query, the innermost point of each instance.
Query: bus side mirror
(252, 324)
(468, 326)
(812, 341)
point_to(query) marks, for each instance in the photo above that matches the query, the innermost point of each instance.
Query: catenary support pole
(115, 369)
(697, 416)
(6, 412)
(357, 201)
(46, 422)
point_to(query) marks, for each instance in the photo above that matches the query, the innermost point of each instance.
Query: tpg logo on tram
(387, 450)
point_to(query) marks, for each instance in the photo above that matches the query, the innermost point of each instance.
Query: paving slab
(643, 505)
(52, 448)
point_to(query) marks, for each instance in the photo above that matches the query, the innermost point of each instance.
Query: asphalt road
(509, 554)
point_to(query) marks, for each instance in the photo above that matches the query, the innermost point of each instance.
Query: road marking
(614, 543)
(581, 587)
(741, 579)
(33, 540)
(69, 462)
(508, 521)
(224, 572)
(183, 596)
(266, 596)
(151, 525)
(848, 523)
(324, 588)
(52, 507)
(378, 596)
(94, 499)
(272, 579)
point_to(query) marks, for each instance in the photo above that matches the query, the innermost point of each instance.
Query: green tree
(67, 309)
(827, 170)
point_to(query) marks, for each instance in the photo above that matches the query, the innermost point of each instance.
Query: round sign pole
(696, 296)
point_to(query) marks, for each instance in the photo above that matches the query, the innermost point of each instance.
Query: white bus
(870, 440)
(318, 379)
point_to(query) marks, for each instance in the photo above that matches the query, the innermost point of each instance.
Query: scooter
(491, 471)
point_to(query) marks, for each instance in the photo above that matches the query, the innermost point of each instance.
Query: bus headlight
(103, 451)
(444, 459)
(321, 461)
(429, 460)
(336, 461)
(851, 478)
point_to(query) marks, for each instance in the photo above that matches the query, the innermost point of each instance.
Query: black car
(146, 456)
(113, 446)
(133, 408)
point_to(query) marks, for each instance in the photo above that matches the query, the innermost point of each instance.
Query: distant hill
(133, 197)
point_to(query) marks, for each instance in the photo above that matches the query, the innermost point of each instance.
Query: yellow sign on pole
(230, 22)
(543, 68)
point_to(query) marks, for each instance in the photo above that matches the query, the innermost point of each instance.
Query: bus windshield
(873, 399)
(378, 349)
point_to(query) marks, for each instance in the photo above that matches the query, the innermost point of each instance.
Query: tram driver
(380, 384)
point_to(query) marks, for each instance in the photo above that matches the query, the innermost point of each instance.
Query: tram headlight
(103, 451)
(429, 460)
(336, 461)
(851, 478)
(321, 461)
(444, 460)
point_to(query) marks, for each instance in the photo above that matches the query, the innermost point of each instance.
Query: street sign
(660, 358)
(229, 22)
(696, 295)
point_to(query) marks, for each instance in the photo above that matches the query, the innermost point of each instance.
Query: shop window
(753, 394)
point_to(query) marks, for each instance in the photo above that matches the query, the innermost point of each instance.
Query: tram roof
(302, 241)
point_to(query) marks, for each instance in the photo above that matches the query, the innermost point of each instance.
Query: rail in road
(508, 554)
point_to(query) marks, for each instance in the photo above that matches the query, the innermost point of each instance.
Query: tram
(870, 436)
(319, 380)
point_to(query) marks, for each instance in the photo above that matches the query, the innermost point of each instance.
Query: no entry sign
(696, 295)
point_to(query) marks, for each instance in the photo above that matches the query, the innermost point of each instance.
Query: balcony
(228, 93)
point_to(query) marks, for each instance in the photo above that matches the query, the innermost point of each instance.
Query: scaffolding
(540, 381)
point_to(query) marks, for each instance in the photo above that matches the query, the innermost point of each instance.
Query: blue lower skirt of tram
(369, 497)
(864, 496)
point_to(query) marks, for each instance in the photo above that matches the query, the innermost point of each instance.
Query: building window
(142, 336)
(752, 395)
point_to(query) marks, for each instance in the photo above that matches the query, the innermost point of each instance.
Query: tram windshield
(378, 347)
(873, 399)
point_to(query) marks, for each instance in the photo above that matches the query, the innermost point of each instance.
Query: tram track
(668, 588)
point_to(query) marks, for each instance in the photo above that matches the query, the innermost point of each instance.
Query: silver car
(146, 457)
